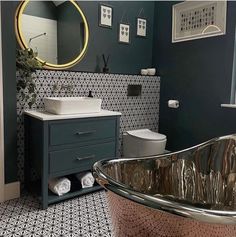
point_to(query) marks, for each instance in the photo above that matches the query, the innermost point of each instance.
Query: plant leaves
(27, 64)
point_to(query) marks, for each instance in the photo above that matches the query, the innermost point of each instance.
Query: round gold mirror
(57, 30)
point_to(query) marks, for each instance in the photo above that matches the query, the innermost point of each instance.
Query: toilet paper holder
(173, 104)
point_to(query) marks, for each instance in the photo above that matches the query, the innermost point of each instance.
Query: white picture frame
(124, 33)
(198, 19)
(105, 16)
(141, 25)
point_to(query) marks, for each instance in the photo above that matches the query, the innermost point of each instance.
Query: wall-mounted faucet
(37, 36)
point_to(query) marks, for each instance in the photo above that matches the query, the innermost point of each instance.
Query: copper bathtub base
(188, 193)
(130, 219)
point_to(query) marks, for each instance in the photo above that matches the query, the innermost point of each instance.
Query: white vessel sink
(72, 105)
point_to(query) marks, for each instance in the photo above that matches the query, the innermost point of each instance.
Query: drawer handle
(85, 157)
(85, 132)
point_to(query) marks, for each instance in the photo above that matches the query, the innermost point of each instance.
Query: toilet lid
(147, 134)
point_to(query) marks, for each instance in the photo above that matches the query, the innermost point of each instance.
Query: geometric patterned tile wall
(137, 112)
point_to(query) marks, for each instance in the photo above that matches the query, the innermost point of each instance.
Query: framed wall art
(105, 16)
(124, 33)
(141, 27)
(198, 19)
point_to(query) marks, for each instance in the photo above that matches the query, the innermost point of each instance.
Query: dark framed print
(105, 16)
(124, 33)
(141, 27)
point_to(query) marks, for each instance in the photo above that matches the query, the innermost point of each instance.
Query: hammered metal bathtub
(182, 194)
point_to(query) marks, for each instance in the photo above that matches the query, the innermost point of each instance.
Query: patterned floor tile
(85, 216)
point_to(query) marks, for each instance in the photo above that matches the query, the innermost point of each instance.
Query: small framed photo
(124, 33)
(105, 16)
(141, 27)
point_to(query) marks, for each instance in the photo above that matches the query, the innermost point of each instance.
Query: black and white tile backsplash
(137, 112)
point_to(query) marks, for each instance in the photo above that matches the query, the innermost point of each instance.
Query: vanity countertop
(43, 115)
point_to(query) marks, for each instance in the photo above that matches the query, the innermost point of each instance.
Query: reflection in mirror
(56, 30)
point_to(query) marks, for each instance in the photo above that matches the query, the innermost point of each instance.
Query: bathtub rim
(161, 203)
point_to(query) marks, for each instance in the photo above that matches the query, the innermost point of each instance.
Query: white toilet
(143, 142)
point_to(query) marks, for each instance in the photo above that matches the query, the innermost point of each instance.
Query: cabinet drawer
(79, 159)
(73, 132)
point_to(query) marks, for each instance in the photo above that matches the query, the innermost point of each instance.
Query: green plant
(26, 65)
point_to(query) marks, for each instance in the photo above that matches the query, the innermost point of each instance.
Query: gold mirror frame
(23, 44)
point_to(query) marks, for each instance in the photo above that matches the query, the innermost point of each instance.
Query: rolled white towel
(86, 179)
(59, 186)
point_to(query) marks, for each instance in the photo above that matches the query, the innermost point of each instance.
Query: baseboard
(12, 190)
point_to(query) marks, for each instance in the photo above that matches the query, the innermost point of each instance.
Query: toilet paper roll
(173, 104)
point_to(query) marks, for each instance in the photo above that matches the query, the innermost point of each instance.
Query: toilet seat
(147, 134)
(143, 143)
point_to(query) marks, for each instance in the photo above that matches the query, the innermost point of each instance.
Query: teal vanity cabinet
(62, 145)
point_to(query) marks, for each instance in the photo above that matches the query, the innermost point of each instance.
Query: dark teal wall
(9, 89)
(70, 32)
(123, 58)
(45, 9)
(198, 74)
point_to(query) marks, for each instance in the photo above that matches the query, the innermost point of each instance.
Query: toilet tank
(143, 142)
